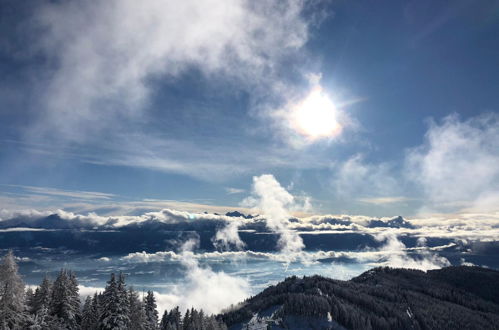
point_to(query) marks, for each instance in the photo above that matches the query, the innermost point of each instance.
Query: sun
(315, 116)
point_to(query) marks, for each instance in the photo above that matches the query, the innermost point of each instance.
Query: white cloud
(465, 225)
(86, 291)
(106, 62)
(104, 259)
(204, 288)
(106, 53)
(394, 254)
(275, 202)
(150, 257)
(232, 191)
(457, 166)
(355, 178)
(228, 236)
(454, 170)
(74, 194)
(384, 200)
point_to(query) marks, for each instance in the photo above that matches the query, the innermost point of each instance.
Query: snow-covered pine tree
(65, 302)
(39, 306)
(42, 296)
(75, 295)
(90, 313)
(99, 300)
(96, 309)
(114, 313)
(151, 311)
(123, 298)
(137, 311)
(87, 315)
(210, 323)
(199, 320)
(29, 297)
(187, 322)
(171, 320)
(164, 320)
(12, 307)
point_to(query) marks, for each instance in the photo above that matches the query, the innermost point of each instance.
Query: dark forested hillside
(382, 298)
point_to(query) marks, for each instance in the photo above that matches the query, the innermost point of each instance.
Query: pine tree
(41, 297)
(96, 309)
(41, 320)
(164, 320)
(187, 320)
(151, 311)
(12, 307)
(172, 321)
(29, 297)
(115, 305)
(137, 311)
(65, 302)
(39, 305)
(123, 299)
(89, 318)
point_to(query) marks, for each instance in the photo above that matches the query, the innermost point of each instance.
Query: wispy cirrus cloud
(103, 66)
(75, 194)
(384, 200)
(106, 55)
(232, 191)
(356, 178)
(22, 197)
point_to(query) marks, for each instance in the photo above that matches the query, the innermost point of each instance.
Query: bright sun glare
(316, 116)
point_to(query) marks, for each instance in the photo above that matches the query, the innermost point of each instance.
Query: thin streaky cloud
(77, 194)
(384, 200)
(232, 191)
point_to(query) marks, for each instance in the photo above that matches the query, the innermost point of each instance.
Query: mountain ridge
(381, 298)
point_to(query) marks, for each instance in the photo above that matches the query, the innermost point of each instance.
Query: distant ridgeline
(152, 235)
(381, 298)
(56, 306)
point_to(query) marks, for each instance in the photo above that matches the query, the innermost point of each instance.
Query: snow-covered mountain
(381, 298)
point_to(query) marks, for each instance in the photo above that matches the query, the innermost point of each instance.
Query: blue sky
(125, 102)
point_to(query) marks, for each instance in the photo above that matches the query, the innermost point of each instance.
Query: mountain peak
(237, 214)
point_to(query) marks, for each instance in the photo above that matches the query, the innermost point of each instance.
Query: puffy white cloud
(454, 169)
(228, 236)
(275, 202)
(457, 166)
(204, 288)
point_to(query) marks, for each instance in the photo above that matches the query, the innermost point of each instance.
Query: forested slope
(382, 298)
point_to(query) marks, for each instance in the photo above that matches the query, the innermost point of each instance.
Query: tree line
(57, 305)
